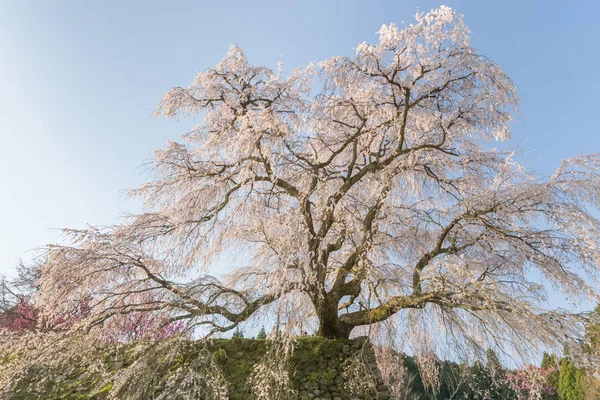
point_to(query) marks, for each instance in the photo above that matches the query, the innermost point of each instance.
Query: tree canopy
(358, 190)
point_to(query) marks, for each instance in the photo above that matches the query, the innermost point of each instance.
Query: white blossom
(352, 190)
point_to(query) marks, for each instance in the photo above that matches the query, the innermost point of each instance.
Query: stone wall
(337, 370)
(318, 369)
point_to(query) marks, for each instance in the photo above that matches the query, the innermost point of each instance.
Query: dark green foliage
(549, 361)
(592, 332)
(417, 384)
(497, 376)
(459, 381)
(570, 384)
(452, 384)
(493, 364)
(238, 333)
(480, 382)
(262, 335)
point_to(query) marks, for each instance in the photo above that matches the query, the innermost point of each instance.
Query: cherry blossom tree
(141, 326)
(19, 317)
(530, 382)
(17, 311)
(358, 190)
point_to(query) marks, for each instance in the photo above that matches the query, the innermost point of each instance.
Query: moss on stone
(316, 365)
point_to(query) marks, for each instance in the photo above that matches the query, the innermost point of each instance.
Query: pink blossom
(530, 382)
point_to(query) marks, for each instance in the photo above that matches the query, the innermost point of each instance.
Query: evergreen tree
(262, 335)
(453, 382)
(238, 333)
(493, 364)
(498, 388)
(570, 384)
(549, 361)
(578, 390)
(592, 332)
(480, 382)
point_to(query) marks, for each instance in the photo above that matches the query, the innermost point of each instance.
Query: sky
(79, 81)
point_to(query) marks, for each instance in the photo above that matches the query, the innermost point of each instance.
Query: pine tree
(496, 375)
(592, 332)
(262, 335)
(570, 384)
(480, 382)
(549, 361)
(578, 390)
(493, 364)
(238, 333)
(566, 377)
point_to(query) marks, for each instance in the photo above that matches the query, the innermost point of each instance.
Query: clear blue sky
(79, 80)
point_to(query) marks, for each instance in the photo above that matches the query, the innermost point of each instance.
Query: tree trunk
(338, 331)
(331, 327)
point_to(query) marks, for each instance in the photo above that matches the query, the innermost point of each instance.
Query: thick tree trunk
(334, 331)
(330, 325)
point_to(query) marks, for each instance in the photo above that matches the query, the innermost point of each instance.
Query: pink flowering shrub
(22, 316)
(121, 328)
(530, 382)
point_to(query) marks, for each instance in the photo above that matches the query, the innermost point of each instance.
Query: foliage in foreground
(238, 368)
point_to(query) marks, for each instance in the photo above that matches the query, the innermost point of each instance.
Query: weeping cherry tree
(358, 190)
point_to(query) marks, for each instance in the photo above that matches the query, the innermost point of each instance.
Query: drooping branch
(350, 190)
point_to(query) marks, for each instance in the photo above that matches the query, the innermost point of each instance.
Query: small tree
(549, 363)
(530, 383)
(480, 381)
(19, 317)
(497, 377)
(262, 335)
(570, 384)
(17, 310)
(238, 334)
